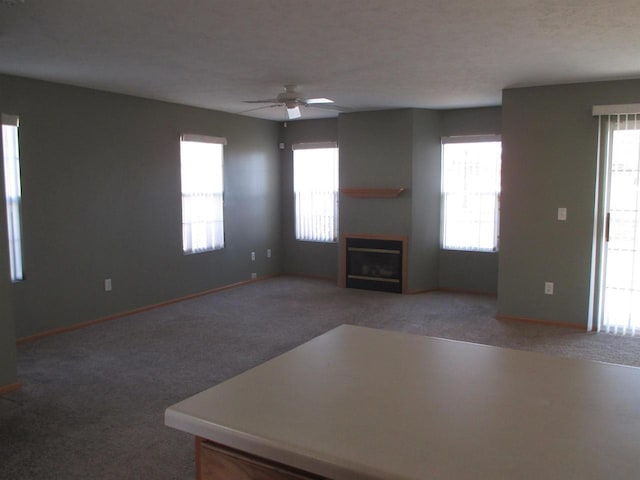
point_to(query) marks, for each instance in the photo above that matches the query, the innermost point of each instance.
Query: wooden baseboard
(424, 290)
(449, 290)
(548, 323)
(469, 292)
(78, 326)
(12, 387)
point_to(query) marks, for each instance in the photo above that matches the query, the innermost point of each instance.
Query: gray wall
(471, 121)
(101, 198)
(376, 151)
(101, 195)
(304, 258)
(468, 271)
(391, 149)
(549, 143)
(424, 242)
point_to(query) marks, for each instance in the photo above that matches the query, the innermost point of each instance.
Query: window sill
(329, 242)
(469, 250)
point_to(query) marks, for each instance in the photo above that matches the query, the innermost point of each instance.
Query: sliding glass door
(619, 309)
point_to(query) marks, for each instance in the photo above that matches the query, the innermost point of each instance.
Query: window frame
(217, 240)
(12, 188)
(317, 237)
(471, 140)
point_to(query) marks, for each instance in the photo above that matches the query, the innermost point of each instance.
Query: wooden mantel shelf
(372, 192)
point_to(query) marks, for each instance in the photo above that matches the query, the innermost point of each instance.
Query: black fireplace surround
(374, 264)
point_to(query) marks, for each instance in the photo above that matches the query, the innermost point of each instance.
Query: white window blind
(315, 186)
(13, 193)
(471, 192)
(202, 183)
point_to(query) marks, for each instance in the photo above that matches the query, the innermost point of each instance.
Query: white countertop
(360, 403)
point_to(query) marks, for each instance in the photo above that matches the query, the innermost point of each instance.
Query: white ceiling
(364, 54)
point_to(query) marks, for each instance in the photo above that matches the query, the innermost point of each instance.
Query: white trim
(11, 120)
(622, 109)
(472, 139)
(305, 146)
(190, 137)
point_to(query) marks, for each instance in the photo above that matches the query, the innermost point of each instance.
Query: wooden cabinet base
(217, 462)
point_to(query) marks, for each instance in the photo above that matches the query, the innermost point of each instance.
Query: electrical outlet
(107, 284)
(268, 253)
(254, 275)
(548, 288)
(253, 256)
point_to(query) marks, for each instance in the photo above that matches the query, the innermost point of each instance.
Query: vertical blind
(202, 193)
(620, 137)
(470, 192)
(13, 193)
(315, 186)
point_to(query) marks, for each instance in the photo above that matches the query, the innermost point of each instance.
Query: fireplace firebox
(374, 264)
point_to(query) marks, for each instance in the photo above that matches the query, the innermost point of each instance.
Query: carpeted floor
(93, 400)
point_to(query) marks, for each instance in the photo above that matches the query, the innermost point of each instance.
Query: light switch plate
(562, 214)
(548, 288)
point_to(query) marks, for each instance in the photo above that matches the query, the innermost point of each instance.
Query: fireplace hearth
(374, 263)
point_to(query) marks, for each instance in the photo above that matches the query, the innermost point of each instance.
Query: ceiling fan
(292, 99)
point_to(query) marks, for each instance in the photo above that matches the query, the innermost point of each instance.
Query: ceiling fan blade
(293, 113)
(269, 100)
(318, 101)
(260, 108)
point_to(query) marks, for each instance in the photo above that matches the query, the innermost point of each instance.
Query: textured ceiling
(364, 54)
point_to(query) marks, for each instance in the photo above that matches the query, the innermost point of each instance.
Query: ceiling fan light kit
(293, 112)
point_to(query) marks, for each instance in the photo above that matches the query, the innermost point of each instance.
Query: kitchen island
(360, 403)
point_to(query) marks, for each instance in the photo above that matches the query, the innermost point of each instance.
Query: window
(470, 193)
(315, 186)
(13, 194)
(201, 159)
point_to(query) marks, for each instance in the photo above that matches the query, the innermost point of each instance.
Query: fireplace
(374, 263)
